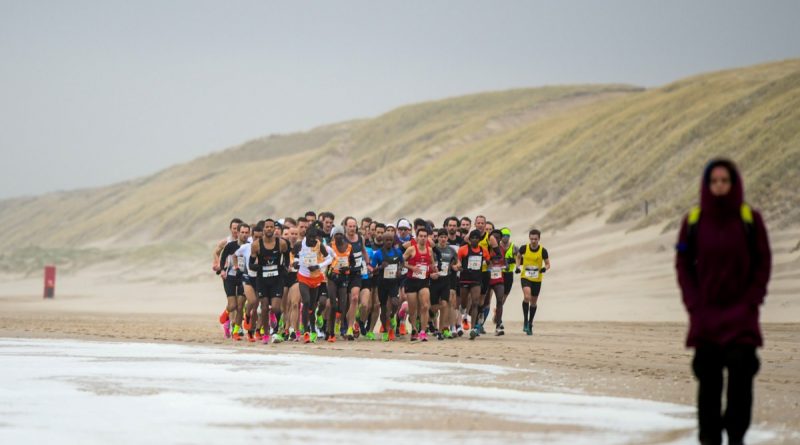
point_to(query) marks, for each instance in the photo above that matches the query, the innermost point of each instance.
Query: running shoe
(277, 338)
(439, 336)
(246, 322)
(530, 329)
(349, 334)
(265, 339)
(385, 336)
(236, 336)
(447, 334)
(414, 336)
(423, 336)
(223, 317)
(465, 324)
(391, 335)
(306, 338)
(292, 335)
(356, 329)
(370, 335)
(481, 329)
(226, 328)
(472, 334)
(273, 321)
(332, 339)
(402, 329)
(460, 331)
(280, 323)
(499, 331)
(525, 327)
(338, 325)
(250, 337)
(394, 322)
(313, 337)
(320, 321)
(258, 335)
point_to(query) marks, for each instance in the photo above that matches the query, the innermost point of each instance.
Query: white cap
(403, 224)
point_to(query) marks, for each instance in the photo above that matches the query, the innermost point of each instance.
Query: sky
(98, 92)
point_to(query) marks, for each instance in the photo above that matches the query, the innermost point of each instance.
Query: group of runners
(308, 279)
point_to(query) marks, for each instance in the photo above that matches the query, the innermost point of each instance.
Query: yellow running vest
(532, 264)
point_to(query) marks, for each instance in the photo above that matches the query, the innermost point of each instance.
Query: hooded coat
(723, 277)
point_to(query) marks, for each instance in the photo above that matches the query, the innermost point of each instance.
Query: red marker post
(49, 281)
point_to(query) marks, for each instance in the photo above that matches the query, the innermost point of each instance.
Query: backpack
(746, 214)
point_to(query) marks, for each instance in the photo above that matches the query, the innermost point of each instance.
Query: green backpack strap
(747, 214)
(694, 215)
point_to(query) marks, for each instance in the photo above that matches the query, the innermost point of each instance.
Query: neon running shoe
(465, 324)
(306, 338)
(423, 336)
(273, 321)
(331, 339)
(320, 321)
(277, 338)
(447, 334)
(394, 322)
(385, 336)
(402, 329)
(391, 335)
(370, 335)
(337, 327)
(313, 337)
(265, 339)
(236, 336)
(246, 323)
(356, 329)
(349, 334)
(226, 328)
(223, 317)
(258, 335)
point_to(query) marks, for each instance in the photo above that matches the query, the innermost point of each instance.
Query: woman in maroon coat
(723, 263)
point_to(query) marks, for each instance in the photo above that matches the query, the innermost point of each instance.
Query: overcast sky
(96, 92)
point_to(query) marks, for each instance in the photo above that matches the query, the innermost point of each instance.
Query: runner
(497, 264)
(419, 261)
(291, 300)
(380, 229)
(342, 267)
(326, 218)
(312, 259)
(233, 227)
(533, 260)
(508, 275)
(361, 261)
(472, 257)
(302, 227)
(268, 255)
(232, 282)
(249, 278)
(311, 216)
(465, 225)
(442, 286)
(364, 229)
(387, 262)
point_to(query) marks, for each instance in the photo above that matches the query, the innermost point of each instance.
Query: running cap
(505, 231)
(337, 229)
(403, 224)
(475, 234)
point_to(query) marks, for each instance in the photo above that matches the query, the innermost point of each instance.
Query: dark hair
(465, 218)
(311, 213)
(535, 232)
(423, 229)
(244, 224)
(720, 162)
(348, 218)
(441, 232)
(380, 225)
(366, 219)
(475, 234)
(259, 227)
(497, 234)
(269, 220)
(462, 231)
(301, 219)
(234, 220)
(289, 220)
(489, 222)
(419, 222)
(448, 219)
(480, 216)
(313, 231)
(326, 215)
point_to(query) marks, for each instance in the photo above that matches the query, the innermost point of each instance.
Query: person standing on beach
(723, 264)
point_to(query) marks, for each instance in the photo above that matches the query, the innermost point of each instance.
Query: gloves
(517, 270)
(543, 270)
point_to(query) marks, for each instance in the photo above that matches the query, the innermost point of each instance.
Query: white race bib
(422, 271)
(495, 272)
(474, 262)
(269, 271)
(232, 273)
(252, 273)
(444, 269)
(342, 261)
(358, 259)
(531, 272)
(240, 262)
(310, 259)
(390, 272)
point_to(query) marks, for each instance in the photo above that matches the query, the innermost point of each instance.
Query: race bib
(232, 273)
(474, 262)
(310, 259)
(341, 262)
(531, 272)
(444, 269)
(364, 269)
(358, 259)
(422, 271)
(269, 271)
(495, 272)
(404, 270)
(240, 262)
(390, 272)
(252, 273)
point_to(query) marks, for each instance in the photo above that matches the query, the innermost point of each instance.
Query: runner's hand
(517, 270)
(224, 275)
(544, 269)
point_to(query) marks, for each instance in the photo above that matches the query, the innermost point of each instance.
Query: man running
(387, 262)
(473, 258)
(533, 261)
(361, 260)
(342, 267)
(442, 286)
(249, 279)
(508, 274)
(312, 258)
(268, 255)
(421, 268)
(233, 227)
(232, 282)
(327, 225)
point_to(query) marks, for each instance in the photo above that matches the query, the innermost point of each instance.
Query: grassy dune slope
(573, 149)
